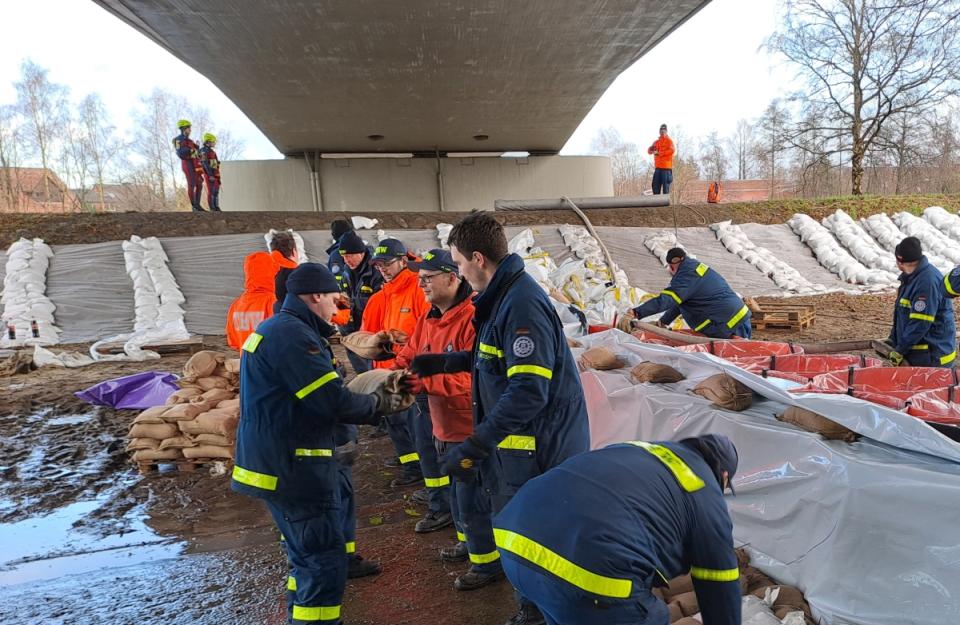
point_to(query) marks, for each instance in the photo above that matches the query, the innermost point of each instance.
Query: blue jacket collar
(906, 278)
(295, 306)
(506, 273)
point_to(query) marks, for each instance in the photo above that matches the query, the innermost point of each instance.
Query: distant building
(34, 190)
(120, 198)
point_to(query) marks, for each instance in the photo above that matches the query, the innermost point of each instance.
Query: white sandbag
(364, 223)
(859, 242)
(944, 221)
(834, 257)
(888, 235)
(443, 233)
(932, 239)
(26, 310)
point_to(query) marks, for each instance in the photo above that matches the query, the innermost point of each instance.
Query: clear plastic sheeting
(866, 530)
(944, 221)
(27, 311)
(931, 238)
(834, 257)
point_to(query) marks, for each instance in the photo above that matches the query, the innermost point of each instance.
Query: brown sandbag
(725, 392)
(152, 415)
(743, 559)
(688, 603)
(230, 411)
(183, 395)
(791, 597)
(208, 451)
(818, 424)
(687, 620)
(656, 373)
(202, 364)
(391, 381)
(232, 365)
(601, 359)
(230, 403)
(213, 439)
(370, 345)
(214, 396)
(148, 455)
(158, 431)
(177, 442)
(211, 422)
(677, 586)
(573, 342)
(214, 382)
(142, 443)
(183, 412)
(676, 612)
(756, 581)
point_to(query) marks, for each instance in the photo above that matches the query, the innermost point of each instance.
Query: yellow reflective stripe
(324, 453)
(515, 441)
(351, 546)
(252, 342)
(701, 269)
(905, 302)
(252, 478)
(291, 583)
(366, 289)
(945, 360)
(675, 297)
(950, 289)
(484, 558)
(461, 537)
(920, 347)
(309, 388)
(715, 575)
(414, 457)
(737, 317)
(690, 481)
(922, 317)
(534, 369)
(490, 349)
(702, 326)
(319, 613)
(437, 482)
(560, 566)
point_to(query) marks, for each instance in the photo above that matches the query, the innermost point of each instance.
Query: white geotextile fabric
(297, 239)
(868, 530)
(932, 239)
(24, 297)
(944, 221)
(834, 257)
(783, 275)
(859, 242)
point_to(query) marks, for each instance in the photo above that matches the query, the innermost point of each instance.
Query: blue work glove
(428, 364)
(463, 462)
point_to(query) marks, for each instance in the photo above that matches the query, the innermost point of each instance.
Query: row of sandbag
(199, 421)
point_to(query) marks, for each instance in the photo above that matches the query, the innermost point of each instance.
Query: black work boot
(527, 615)
(457, 553)
(473, 579)
(358, 567)
(420, 496)
(406, 479)
(433, 521)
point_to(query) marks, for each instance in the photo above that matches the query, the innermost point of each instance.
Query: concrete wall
(372, 185)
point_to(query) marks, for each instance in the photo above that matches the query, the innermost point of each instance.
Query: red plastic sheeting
(939, 406)
(886, 379)
(740, 349)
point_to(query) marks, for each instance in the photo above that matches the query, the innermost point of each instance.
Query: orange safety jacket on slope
(663, 159)
(396, 306)
(256, 303)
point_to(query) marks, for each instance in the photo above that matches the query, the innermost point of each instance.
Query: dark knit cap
(909, 250)
(675, 253)
(339, 227)
(311, 278)
(351, 243)
(719, 453)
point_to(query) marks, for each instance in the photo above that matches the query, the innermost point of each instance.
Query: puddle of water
(73, 419)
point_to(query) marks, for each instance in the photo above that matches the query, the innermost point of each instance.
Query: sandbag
(230, 411)
(688, 603)
(213, 382)
(232, 365)
(211, 422)
(233, 402)
(142, 443)
(601, 359)
(370, 345)
(725, 392)
(791, 598)
(573, 342)
(756, 581)
(151, 415)
(183, 395)
(676, 612)
(176, 442)
(214, 396)
(678, 586)
(158, 431)
(202, 364)
(182, 412)
(686, 620)
(208, 451)
(391, 381)
(213, 439)
(656, 373)
(817, 423)
(148, 455)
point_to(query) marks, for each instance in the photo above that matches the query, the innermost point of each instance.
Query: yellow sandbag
(158, 431)
(208, 451)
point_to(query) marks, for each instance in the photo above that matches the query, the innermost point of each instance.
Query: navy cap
(351, 243)
(389, 249)
(909, 250)
(311, 278)
(436, 260)
(675, 253)
(719, 453)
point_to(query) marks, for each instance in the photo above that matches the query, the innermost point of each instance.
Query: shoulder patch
(920, 305)
(523, 346)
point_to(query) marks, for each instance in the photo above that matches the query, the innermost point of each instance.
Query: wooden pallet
(784, 316)
(192, 345)
(183, 465)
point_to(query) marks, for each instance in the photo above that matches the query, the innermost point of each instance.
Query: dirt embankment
(59, 229)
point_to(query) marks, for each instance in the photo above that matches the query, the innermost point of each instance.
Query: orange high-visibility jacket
(396, 306)
(256, 303)
(664, 148)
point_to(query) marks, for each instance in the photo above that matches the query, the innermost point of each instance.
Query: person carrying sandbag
(292, 399)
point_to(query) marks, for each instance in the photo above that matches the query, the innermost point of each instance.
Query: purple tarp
(141, 390)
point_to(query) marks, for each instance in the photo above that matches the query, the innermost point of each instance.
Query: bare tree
(742, 145)
(945, 141)
(866, 61)
(103, 145)
(773, 141)
(11, 152)
(898, 142)
(43, 105)
(229, 146)
(631, 171)
(155, 123)
(75, 160)
(713, 157)
(685, 167)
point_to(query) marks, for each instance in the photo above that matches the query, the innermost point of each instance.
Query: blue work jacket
(291, 399)
(924, 330)
(624, 519)
(705, 300)
(360, 284)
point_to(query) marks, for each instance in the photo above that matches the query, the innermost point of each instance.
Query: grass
(855, 206)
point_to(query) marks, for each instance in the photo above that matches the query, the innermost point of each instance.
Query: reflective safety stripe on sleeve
(314, 453)
(252, 342)
(561, 567)
(490, 349)
(534, 369)
(922, 317)
(484, 558)
(291, 583)
(516, 441)
(715, 575)
(920, 347)
(701, 269)
(252, 478)
(702, 326)
(675, 297)
(950, 289)
(309, 388)
(905, 302)
(407, 458)
(316, 613)
(946, 360)
(351, 546)
(734, 320)
(437, 482)
(689, 480)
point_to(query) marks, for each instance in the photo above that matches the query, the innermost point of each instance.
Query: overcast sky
(705, 76)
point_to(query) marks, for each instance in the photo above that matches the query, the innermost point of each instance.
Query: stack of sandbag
(198, 421)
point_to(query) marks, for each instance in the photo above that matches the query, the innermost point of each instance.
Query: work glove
(388, 403)
(463, 462)
(625, 321)
(412, 383)
(428, 364)
(896, 358)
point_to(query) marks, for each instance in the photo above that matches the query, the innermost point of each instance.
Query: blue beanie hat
(311, 278)
(719, 453)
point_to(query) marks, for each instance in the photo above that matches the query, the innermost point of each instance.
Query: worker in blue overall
(924, 332)
(588, 540)
(292, 398)
(335, 262)
(701, 296)
(528, 405)
(951, 283)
